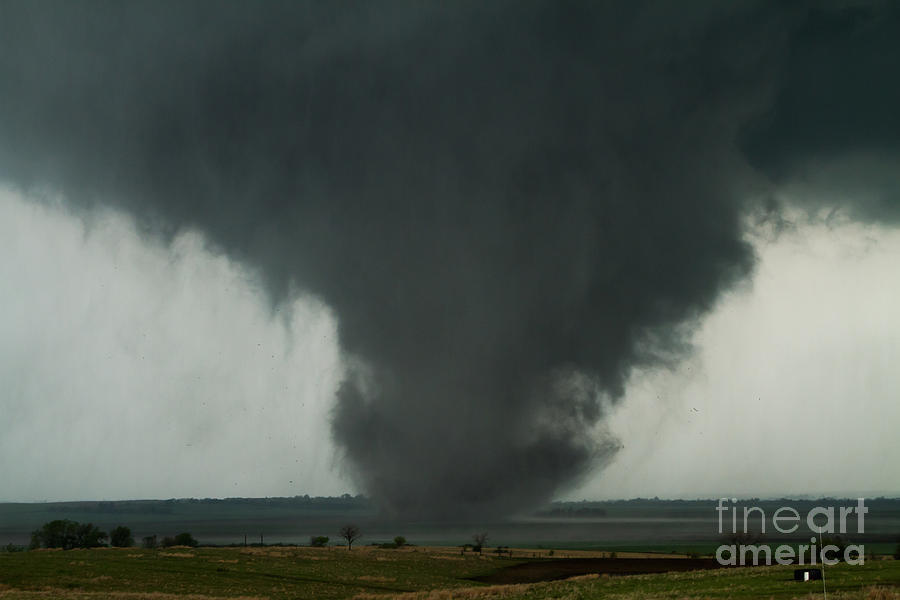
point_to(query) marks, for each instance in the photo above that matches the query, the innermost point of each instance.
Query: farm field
(411, 573)
(265, 572)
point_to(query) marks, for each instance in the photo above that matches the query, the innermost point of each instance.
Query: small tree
(186, 539)
(90, 536)
(120, 537)
(399, 541)
(66, 534)
(149, 542)
(480, 540)
(318, 541)
(351, 533)
(55, 534)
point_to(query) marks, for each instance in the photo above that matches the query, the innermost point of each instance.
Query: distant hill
(634, 523)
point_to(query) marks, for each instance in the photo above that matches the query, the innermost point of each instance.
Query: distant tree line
(572, 511)
(67, 535)
(398, 542)
(182, 539)
(150, 507)
(172, 505)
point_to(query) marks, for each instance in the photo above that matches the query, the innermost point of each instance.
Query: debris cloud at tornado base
(508, 206)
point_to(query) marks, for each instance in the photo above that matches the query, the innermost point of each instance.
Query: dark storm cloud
(834, 123)
(509, 206)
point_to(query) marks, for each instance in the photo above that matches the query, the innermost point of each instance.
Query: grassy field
(874, 581)
(413, 573)
(269, 572)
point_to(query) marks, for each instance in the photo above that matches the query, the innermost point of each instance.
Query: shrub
(318, 541)
(66, 534)
(149, 542)
(186, 539)
(120, 537)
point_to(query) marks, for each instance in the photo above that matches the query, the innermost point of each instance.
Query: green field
(269, 572)
(294, 572)
(878, 580)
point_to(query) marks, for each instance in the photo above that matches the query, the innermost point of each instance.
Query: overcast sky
(793, 389)
(136, 369)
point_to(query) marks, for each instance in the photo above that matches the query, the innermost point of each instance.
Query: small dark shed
(807, 574)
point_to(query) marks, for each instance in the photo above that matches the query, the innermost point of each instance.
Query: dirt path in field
(548, 570)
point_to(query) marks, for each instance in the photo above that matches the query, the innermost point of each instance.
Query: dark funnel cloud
(509, 206)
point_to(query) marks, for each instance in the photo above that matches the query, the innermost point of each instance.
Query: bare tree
(351, 533)
(480, 540)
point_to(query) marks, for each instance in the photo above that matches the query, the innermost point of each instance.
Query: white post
(822, 555)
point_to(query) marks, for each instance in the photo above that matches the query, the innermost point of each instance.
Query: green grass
(281, 573)
(229, 572)
(760, 582)
(878, 580)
